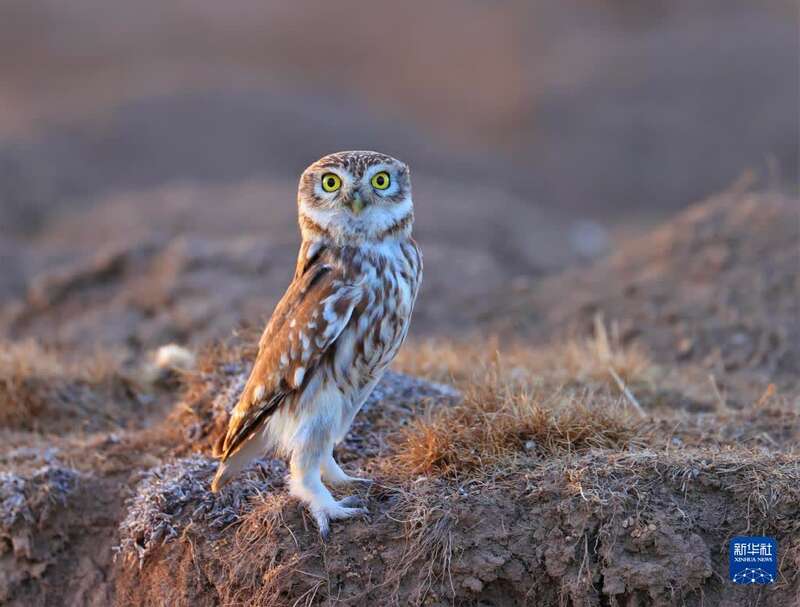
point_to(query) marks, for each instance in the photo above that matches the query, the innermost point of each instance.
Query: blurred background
(539, 133)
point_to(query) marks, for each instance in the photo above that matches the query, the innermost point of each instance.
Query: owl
(334, 332)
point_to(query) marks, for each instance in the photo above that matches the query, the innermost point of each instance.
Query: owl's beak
(357, 204)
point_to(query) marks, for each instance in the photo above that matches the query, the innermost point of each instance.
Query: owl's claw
(349, 507)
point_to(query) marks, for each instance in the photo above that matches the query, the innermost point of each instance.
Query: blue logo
(753, 560)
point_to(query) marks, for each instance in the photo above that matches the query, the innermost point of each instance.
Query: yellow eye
(331, 182)
(380, 181)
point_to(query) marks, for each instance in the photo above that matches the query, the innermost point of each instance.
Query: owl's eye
(331, 182)
(380, 181)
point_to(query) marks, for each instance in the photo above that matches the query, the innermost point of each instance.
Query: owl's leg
(333, 474)
(306, 485)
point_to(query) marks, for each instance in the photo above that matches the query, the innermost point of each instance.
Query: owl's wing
(306, 322)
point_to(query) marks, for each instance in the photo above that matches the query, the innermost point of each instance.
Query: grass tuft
(526, 403)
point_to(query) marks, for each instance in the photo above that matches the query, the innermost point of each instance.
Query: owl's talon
(340, 511)
(324, 527)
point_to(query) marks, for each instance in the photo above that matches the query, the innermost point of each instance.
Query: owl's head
(351, 198)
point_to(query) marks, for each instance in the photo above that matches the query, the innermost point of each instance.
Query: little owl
(336, 329)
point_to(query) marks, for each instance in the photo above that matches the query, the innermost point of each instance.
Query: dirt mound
(172, 496)
(596, 529)
(27, 534)
(524, 492)
(717, 287)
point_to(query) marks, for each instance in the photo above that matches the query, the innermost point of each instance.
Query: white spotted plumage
(334, 332)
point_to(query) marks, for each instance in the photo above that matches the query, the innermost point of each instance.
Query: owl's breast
(380, 321)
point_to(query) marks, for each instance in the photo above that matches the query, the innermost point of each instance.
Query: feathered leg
(306, 485)
(333, 474)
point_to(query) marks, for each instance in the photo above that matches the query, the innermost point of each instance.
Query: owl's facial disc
(354, 197)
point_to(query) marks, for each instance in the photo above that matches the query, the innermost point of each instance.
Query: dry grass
(495, 422)
(259, 562)
(425, 512)
(561, 399)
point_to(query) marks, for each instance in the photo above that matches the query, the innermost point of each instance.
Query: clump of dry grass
(496, 421)
(569, 397)
(26, 371)
(263, 563)
(41, 390)
(425, 511)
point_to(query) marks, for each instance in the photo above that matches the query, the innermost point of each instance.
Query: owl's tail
(236, 462)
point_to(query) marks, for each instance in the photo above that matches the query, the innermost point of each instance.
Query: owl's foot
(305, 484)
(349, 507)
(333, 474)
